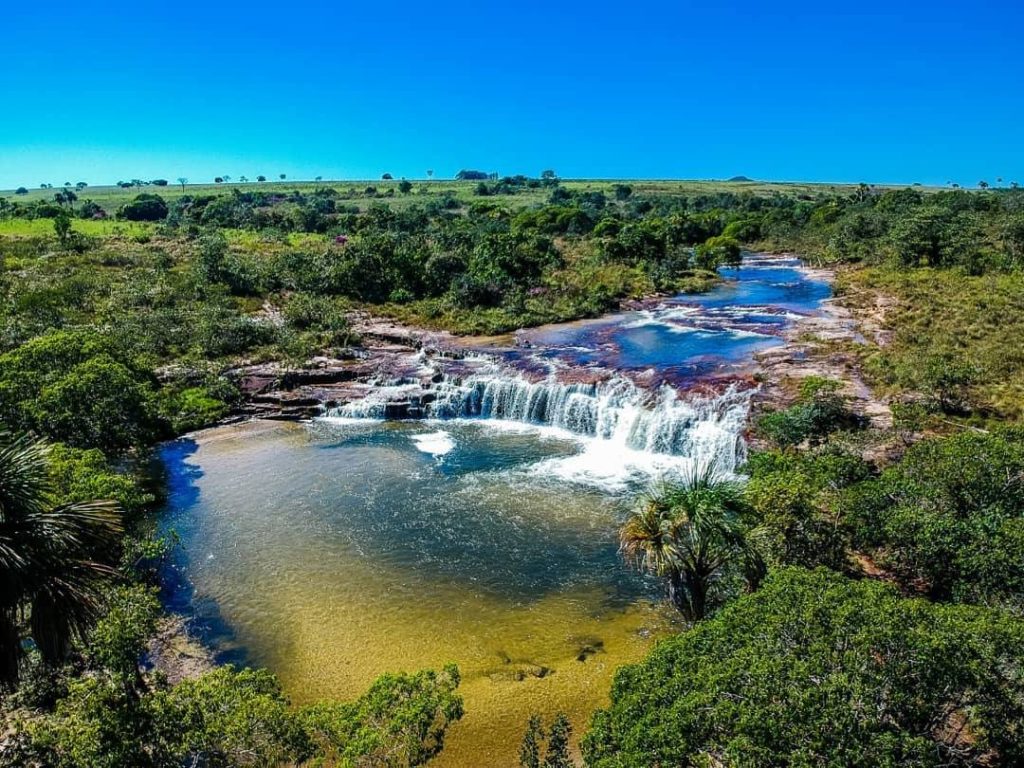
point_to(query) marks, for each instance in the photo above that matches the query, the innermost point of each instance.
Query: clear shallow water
(693, 335)
(335, 551)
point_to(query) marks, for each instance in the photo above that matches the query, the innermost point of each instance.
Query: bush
(77, 388)
(819, 411)
(145, 207)
(82, 475)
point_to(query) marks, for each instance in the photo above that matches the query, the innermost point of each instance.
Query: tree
(183, 181)
(815, 669)
(983, 184)
(281, 176)
(66, 197)
(529, 749)
(405, 186)
(243, 179)
(557, 755)
(229, 717)
(949, 518)
(717, 251)
(691, 534)
(81, 185)
(218, 180)
(21, 191)
(318, 178)
(54, 560)
(261, 178)
(947, 381)
(532, 751)
(387, 177)
(159, 182)
(62, 228)
(430, 173)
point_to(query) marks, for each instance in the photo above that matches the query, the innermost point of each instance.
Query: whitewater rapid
(623, 432)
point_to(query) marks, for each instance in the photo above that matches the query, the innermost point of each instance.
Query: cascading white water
(619, 417)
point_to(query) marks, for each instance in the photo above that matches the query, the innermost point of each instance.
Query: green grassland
(112, 197)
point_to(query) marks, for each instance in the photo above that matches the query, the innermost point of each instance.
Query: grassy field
(90, 227)
(933, 314)
(355, 191)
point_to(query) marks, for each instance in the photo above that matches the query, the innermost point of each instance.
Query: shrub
(145, 207)
(819, 411)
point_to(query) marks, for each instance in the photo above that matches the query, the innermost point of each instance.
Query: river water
(484, 533)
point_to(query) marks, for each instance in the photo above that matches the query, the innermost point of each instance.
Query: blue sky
(896, 91)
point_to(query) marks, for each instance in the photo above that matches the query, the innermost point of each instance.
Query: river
(483, 533)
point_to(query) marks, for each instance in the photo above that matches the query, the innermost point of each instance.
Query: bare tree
(183, 181)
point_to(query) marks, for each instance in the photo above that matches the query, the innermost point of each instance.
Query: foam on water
(623, 431)
(437, 443)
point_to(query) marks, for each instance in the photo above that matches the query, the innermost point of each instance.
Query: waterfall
(615, 413)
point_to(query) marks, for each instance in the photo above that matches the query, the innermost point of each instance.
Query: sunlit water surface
(334, 551)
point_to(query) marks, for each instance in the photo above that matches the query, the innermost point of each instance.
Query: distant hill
(739, 178)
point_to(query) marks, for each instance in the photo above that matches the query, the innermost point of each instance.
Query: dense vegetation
(814, 669)
(856, 602)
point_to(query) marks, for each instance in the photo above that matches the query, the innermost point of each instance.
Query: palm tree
(691, 533)
(55, 560)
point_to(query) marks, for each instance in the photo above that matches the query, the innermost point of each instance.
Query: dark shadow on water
(177, 593)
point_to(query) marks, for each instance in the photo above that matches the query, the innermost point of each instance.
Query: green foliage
(533, 753)
(947, 381)
(55, 560)
(557, 755)
(193, 408)
(232, 717)
(814, 669)
(121, 634)
(62, 228)
(693, 535)
(819, 411)
(401, 721)
(98, 403)
(949, 517)
(718, 250)
(77, 388)
(530, 748)
(793, 498)
(229, 717)
(145, 207)
(80, 475)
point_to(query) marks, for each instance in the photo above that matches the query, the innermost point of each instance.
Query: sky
(900, 91)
